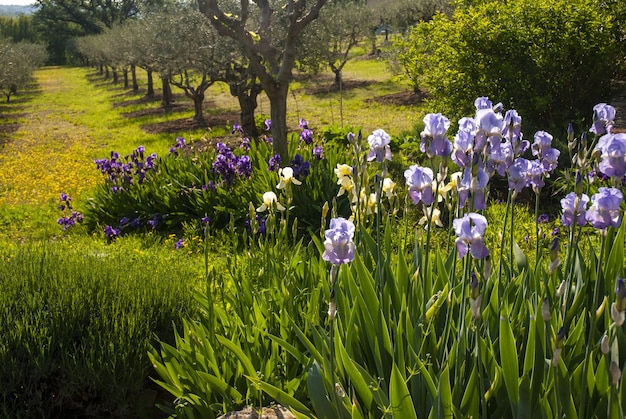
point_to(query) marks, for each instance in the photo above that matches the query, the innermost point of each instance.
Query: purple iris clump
(339, 245)
(420, 183)
(318, 152)
(379, 146)
(470, 231)
(274, 163)
(179, 244)
(574, 209)
(135, 223)
(131, 169)
(68, 221)
(244, 166)
(433, 139)
(229, 166)
(605, 211)
(612, 150)
(111, 233)
(301, 168)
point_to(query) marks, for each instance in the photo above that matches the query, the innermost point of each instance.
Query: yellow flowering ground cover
(51, 152)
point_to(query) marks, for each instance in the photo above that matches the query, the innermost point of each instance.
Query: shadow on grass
(188, 124)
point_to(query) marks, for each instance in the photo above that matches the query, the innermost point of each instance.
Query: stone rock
(274, 412)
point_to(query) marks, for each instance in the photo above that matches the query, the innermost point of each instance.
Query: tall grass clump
(77, 319)
(369, 323)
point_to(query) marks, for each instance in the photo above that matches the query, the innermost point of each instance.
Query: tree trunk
(115, 75)
(248, 104)
(125, 71)
(198, 101)
(278, 113)
(338, 80)
(166, 98)
(133, 73)
(150, 91)
(106, 72)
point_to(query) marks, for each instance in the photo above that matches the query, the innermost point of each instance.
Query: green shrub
(552, 61)
(76, 321)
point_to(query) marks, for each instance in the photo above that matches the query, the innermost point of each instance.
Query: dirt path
(50, 152)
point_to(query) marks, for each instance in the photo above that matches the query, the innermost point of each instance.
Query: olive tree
(329, 40)
(268, 33)
(18, 61)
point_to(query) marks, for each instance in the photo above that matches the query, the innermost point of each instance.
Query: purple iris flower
(512, 129)
(574, 209)
(473, 187)
(605, 208)
(318, 152)
(612, 149)
(379, 146)
(274, 163)
(470, 231)
(420, 183)
(237, 129)
(301, 168)
(488, 124)
(245, 144)
(543, 218)
(339, 245)
(111, 232)
(268, 125)
(603, 116)
(463, 147)
(434, 141)
(501, 159)
(306, 136)
(483, 102)
(535, 174)
(519, 173)
(179, 244)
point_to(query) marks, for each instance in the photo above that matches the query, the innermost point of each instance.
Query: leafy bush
(552, 61)
(77, 320)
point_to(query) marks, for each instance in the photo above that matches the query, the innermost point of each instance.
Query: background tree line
(550, 61)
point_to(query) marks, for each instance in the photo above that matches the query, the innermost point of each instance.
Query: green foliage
(550, 61)
(244, 349)
(77, 319)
